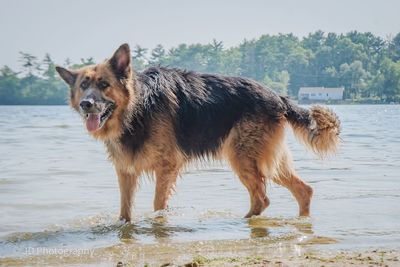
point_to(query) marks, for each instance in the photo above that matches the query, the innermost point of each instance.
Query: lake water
(59, 191)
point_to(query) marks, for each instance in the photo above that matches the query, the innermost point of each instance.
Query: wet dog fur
(163, 118)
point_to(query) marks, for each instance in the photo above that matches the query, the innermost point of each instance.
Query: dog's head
(102, 93)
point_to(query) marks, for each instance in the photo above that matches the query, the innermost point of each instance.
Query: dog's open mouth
(94, 121)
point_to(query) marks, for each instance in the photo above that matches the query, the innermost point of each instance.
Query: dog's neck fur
(134, 127)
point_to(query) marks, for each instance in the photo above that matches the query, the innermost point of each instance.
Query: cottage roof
(316, 90)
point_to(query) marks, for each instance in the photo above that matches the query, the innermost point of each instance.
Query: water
(58, 190)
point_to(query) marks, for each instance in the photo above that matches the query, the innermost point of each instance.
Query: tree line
(366, 65)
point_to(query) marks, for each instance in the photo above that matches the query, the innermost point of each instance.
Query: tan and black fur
(163, 118)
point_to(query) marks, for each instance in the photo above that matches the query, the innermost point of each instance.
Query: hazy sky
(84, 28)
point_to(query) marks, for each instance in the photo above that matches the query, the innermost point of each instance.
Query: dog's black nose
(86, 104)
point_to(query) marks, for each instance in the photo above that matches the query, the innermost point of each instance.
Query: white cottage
(317, 94)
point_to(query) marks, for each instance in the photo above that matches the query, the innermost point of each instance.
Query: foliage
(366, 65)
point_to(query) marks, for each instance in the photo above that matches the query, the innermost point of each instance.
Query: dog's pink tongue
(93, 122)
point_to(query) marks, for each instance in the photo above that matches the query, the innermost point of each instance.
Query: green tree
(139, 57)
(29, 63)
(87, 61)
(9, 86)
(314, 40)
(214, 54)
(354, 78)
(157, 55)
(49, 71)
(390, 87)
(84, 62)
(279, 83)
(394, 48)
(365, 64)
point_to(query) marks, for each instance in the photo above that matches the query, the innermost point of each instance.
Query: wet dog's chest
(125, 159)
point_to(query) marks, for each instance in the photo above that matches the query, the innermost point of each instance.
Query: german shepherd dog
(157, 121)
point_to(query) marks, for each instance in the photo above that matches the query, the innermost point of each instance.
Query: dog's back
(203, 108)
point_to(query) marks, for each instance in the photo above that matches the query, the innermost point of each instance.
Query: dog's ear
(121, 62)
(68, 76)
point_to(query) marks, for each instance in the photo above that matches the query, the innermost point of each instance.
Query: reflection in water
(258, 232)
(259, 225)
(70, 236)
(160, 230)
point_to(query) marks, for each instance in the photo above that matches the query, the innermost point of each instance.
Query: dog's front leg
(165, 182)
(127, 187)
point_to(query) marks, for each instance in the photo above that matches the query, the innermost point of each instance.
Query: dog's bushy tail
(318, 127)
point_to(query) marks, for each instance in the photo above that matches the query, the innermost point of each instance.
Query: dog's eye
(103, 85)
(84, 85)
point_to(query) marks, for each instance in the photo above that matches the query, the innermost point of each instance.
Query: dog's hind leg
(243, 148)
(127, 186)
(166, 175)
(254, 181)
(300, 190)
(288, 178)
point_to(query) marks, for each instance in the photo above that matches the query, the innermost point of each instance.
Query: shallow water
(58, 191)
